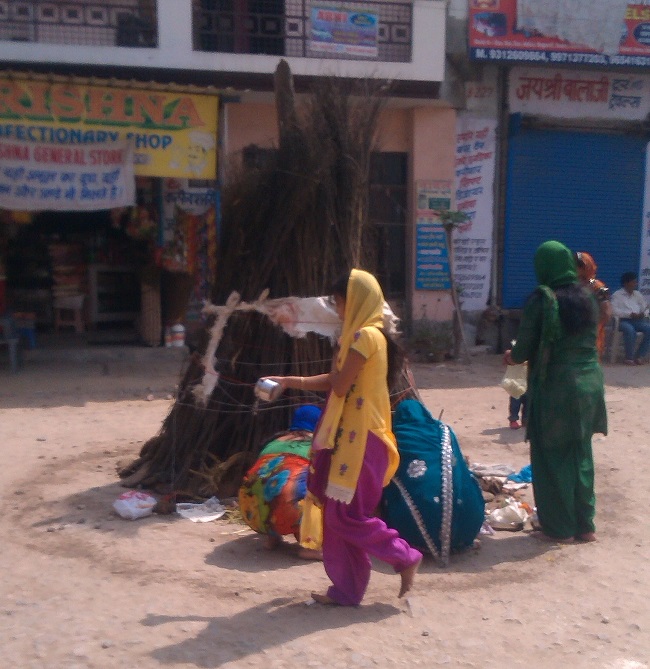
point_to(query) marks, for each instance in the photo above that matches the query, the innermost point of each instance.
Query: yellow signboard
(175, 134)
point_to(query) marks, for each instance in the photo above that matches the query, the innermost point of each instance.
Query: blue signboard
(431, 257)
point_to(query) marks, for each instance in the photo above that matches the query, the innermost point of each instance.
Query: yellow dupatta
(347, 438)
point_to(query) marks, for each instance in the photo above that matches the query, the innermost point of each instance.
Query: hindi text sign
(35, 177)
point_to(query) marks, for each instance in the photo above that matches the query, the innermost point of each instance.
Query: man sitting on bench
(632, 309)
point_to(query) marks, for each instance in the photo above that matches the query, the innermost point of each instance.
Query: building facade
(190, 85)
(569, 93)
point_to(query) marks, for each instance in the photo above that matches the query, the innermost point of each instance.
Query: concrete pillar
(433, 152)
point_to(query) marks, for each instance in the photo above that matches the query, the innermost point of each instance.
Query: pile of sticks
(292, 225)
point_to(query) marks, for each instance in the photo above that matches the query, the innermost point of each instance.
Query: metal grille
(129, 23)
(284, 27)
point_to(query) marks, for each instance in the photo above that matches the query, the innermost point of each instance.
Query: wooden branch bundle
(292, 226)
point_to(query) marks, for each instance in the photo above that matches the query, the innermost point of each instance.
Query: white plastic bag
(515, 380)
(211, 509)
(134, 504)
(511, 517)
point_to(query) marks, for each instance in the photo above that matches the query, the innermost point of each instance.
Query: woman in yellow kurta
(354, 451)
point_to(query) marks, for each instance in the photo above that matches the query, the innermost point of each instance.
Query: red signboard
(493, 36)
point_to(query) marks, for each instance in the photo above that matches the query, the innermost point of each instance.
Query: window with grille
(129, 23)
(386, 234)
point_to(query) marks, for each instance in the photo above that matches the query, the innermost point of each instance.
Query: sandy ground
(83, 588)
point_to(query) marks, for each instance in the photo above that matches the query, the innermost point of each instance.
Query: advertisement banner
(494, 36)
(473, 241)
(571, 94)
(644, 273)
(351, 33)
(431, 254)
(431, 257)
(174, 134)
(38, 176)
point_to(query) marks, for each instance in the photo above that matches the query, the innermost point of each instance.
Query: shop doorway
(76, 277)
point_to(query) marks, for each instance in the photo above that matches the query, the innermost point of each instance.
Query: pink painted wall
(428, 134)
(255, 123)
(394, 130)
(250, 123)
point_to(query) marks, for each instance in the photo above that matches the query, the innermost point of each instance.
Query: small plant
(431, 341)
(450, 218)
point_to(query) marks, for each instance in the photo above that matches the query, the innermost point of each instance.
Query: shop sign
(644, 274)
(173, 133)
(473, 240)
(344, 32)
(571, 94)
(431, 254)
(39, 176)
(494, 36)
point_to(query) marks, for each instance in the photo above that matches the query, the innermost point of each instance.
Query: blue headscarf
(305, 417)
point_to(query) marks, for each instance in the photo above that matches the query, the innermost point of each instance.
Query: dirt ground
(84, 588)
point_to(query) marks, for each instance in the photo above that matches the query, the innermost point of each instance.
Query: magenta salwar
(351, 532)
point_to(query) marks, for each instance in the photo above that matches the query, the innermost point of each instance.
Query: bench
(615, 337)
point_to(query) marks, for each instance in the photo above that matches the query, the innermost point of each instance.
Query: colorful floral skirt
(272, 492)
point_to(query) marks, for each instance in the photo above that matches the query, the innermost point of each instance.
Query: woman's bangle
(302, 383)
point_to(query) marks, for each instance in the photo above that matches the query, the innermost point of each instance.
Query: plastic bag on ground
(134, 504)
(525, 475)
(511, 517)
(211, 509)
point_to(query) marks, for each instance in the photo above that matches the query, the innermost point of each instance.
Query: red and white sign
(494, 36)
(563, 93)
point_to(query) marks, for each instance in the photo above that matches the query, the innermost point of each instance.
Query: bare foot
(407, 577)
(552, 540)
(323, 599)
(310, 554)
(272, 542)
(587, 537)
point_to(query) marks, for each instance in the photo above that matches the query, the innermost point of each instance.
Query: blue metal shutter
(583, 189)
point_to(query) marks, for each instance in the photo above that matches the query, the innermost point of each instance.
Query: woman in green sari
(557, 336)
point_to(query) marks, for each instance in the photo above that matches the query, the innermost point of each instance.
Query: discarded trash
(525, 475)
(486, 529)
(480, 469)
(512, 487)
(511, 516)
(134, 504)
(534, 520)
(211, 509)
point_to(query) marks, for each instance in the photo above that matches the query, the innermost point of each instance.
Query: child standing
(514, 406)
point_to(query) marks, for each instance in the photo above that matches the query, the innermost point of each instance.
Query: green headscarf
(555, 266)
